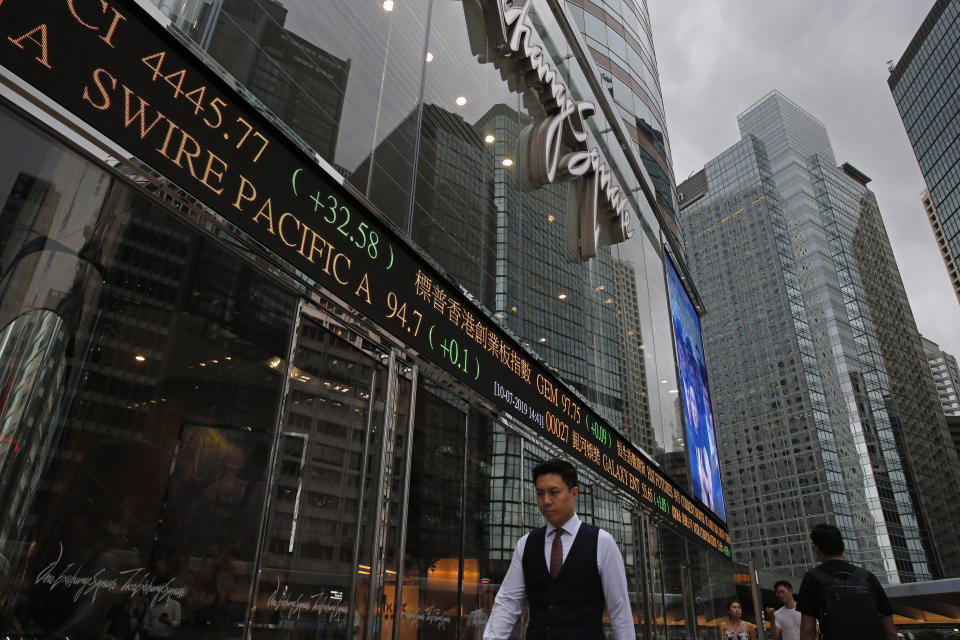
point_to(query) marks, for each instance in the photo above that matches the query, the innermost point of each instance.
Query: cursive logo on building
(555, 148)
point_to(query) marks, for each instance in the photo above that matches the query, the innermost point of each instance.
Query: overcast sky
(717, 57)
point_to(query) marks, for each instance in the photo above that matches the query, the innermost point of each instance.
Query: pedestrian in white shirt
(785, 621)
(568, 571)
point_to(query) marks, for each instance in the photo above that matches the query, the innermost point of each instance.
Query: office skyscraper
(825, 407)
(924, 84)
(620, 40)
(946, 375)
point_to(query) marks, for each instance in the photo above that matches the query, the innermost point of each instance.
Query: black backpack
(848, 609)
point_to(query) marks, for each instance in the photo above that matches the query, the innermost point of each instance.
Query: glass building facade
(618, 36)
(192, 421)
(825, 408)
(925, 83)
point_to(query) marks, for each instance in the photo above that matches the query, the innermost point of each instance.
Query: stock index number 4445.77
(213, 109)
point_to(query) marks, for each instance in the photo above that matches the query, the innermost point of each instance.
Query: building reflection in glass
(142, 436)
(300, 83)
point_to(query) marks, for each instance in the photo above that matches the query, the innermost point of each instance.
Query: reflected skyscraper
(824, 405)
(521, 241)
(459, 236)
(632, 356)
(279, 70)
(540, 290)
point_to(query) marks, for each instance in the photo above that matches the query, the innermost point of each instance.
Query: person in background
(785, 621)
(853, 620)
(568, 571)
(735, 627)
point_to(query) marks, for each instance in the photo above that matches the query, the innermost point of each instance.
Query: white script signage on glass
(554, 148)
(426, 617)
(136, 582)
(323, 605)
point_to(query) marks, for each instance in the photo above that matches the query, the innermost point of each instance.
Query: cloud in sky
(717, 57)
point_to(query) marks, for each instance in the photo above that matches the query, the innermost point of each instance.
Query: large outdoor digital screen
(695, 395)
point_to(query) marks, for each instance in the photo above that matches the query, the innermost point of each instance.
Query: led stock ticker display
(116, 68)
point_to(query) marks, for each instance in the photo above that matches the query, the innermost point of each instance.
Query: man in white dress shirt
(568, 571)
(785, 621)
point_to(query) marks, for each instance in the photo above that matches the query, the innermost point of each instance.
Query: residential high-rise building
(924, 83)
(946, 375)
(949, 258)
(620, 40)
(825, 408)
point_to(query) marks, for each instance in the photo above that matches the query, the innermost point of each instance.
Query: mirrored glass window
(140, 394)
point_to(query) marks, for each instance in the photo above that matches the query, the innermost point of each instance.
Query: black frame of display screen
(142, 88)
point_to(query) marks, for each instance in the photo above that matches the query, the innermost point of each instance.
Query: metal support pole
(757, 601)
(405, 506)
(358, 534)
(382, 510)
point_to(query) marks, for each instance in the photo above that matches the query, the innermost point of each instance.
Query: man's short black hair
(828, 539)
(782, 583)
(566, 471)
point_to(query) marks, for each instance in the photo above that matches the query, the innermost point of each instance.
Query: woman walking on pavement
(735, 627)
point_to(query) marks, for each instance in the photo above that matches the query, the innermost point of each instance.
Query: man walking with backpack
(847, 600)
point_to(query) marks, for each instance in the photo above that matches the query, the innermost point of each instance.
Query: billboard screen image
(695, 396)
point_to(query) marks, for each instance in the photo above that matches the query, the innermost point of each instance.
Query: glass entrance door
(328, 532)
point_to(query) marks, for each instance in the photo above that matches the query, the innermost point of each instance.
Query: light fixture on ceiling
(489, 139)
(507, 162)
(388, 5)
(461, 100)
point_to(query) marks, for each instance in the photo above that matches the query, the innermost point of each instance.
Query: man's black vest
(569, 607)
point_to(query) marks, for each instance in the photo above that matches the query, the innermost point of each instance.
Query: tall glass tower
(619, 37)
(924, 84)
(825, 408)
